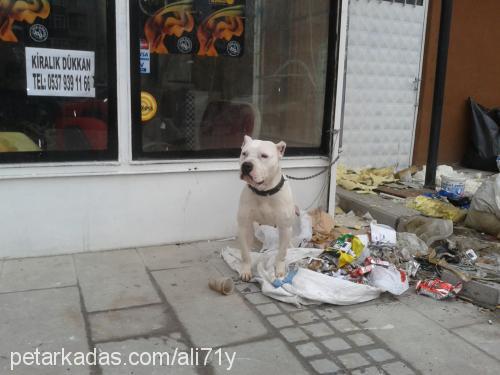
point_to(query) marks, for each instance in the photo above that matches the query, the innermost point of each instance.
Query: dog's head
(259, 162)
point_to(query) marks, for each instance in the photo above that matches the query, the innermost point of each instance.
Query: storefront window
(207, 72)
(57, 90)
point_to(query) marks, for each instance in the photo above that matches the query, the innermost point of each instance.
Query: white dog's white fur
(260, 169)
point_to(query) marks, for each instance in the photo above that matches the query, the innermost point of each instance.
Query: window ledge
(54, 170)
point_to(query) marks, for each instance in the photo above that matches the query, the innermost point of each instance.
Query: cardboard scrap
(364, 180)
(322, 222)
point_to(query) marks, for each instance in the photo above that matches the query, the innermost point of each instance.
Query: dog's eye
(264, 156)
(244, 154)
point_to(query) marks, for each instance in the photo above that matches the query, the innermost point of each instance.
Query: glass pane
(212, 71)
(54, 93)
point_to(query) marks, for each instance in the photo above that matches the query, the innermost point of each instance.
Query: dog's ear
(281, 146)
(246, 140)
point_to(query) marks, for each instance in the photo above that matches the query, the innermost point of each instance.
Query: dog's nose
(246, 167)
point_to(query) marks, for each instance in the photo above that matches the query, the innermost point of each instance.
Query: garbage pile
(417, 254)
(349, 259)
(469, 197)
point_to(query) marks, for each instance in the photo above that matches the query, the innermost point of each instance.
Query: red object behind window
(225, 123)
(83, 125)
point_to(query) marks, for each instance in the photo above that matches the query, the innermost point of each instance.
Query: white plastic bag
(307, 286)
(302, 233)
(389, 279)
(487, 197)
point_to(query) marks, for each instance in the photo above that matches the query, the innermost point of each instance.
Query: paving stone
(221, 266)
(304, 317)
(309, 349)
(486, 336)
(336, 344)
(223, 319)
(368, 371)
(448, 313)
(379, 355)
(113, 280)
(360, 339)
(45, 319)
(117, 324)
(344, 325)
(318, 329)
(293, 334)
(328, 313)
(324, 366)
(37, 273)
(400, 327)
(152, 346)
(247, 287)
(262, 357)
(258, 298)
(173, 256)
(268, 309)
(280, 321)
(288, 307)
(216, 245)
(399, 368)
(352, 360)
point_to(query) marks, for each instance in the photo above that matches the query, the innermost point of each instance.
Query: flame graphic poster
(20, 12)
(201, 27)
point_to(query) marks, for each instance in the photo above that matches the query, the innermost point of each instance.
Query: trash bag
(306, 287)
(485, 146)
(484, 213)
(487, 197)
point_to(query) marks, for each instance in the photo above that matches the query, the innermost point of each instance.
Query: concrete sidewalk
(157, 300)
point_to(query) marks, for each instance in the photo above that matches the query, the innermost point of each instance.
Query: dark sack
(485, 138)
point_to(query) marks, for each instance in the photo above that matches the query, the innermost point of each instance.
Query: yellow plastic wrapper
(349, 248)
(364, 180)
(436, 208)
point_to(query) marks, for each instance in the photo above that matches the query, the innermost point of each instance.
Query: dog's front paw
(246, 272)
(280, 269)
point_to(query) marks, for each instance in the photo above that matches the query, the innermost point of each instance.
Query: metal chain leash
(336, 133)
(316, 174)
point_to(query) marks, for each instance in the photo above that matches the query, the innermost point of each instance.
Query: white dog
(267, 199)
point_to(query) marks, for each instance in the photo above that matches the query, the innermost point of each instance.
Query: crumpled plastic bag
(302, 233)
(427, 229)
(410, 245)
(487, 197)
(484, 212)
(436, 208)
(389, 279)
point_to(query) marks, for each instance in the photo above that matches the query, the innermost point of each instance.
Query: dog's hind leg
(245, 235)
(285, 237)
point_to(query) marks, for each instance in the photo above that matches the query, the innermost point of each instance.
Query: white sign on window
(58, 72)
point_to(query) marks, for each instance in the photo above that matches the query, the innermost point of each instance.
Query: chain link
(316, 174)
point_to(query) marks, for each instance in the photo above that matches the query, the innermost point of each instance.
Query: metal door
(385, 41)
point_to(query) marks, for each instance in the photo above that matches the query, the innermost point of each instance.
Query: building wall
(121, 209)
(473, 70)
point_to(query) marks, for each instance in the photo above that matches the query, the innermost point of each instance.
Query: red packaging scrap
(378, 262)
(360, 271)
(437, 288)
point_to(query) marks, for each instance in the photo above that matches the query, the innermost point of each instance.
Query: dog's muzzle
(246, 168)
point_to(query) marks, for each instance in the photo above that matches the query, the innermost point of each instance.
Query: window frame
(135, 102)
(111, 153)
